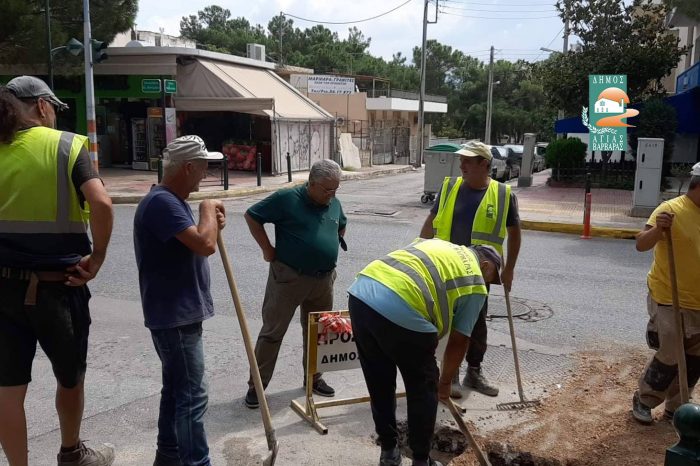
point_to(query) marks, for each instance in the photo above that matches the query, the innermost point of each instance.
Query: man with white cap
(679, 217)
(400, 306)
(171, 255)
(470, 210)
(50, 194)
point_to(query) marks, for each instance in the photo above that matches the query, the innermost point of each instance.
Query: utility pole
(281, 31)
(560, 112)
(489, 101)
(47, 17)
(89, 85)
(421, 97)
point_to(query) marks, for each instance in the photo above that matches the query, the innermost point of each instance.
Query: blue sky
(516, 28)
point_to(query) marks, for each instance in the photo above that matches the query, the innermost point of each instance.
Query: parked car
(515, 154)
(540, 160)
(498, 163)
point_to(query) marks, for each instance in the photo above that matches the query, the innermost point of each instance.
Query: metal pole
(47, 17)
(289, 168)
(489, 99)
(421, 97)
(258, 167)
(89, 85)
(560, 112)
(165, 131)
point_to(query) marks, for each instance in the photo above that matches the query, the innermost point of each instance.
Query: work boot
(475, 379)
(251, 399)
(640, 412)
(162, 460)
(390, 457)
(102, 455)
(428, 462)
(668, 414)
(320, 387)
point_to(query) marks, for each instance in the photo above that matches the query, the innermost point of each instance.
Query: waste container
(440, 161)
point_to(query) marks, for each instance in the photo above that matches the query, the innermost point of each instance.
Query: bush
(566, 153)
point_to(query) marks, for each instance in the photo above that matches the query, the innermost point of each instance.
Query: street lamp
(545, 49)
(74, 47)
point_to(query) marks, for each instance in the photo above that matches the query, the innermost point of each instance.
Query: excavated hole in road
(449, 442)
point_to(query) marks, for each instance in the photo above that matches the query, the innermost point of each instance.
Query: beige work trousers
(659, 381)
(286, 290)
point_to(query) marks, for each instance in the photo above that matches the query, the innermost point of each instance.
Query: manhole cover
(376, 212)
(523, 309)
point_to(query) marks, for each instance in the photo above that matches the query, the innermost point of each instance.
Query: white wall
(306, 142)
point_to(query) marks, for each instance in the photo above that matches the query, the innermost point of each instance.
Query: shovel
(680, 333)
(523, 403)
(483, 459)
(272, 443)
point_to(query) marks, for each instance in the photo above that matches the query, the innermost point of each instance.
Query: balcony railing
(400, 94)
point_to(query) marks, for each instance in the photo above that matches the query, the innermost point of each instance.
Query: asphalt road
(595, 290)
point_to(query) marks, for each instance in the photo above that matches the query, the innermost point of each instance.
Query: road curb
(251, 191)
(577, 229)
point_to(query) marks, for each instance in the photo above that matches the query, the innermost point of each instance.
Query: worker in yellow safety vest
(476, 210)
(50, 193)
(400, 306)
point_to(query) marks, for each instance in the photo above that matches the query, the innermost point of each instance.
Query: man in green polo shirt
(309, 223)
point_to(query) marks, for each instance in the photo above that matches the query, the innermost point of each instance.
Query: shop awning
(209, 85)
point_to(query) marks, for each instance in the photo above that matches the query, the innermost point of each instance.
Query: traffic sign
(150, 86)
(170, 86)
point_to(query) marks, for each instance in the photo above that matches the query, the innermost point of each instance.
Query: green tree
(656, 119)
(615, 37)
(690, 8)
(23, 32)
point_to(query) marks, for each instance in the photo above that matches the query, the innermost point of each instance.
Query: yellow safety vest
(429, 276)
(489, 225)
(38, 201)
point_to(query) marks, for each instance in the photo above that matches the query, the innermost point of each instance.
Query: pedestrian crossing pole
(89, 86)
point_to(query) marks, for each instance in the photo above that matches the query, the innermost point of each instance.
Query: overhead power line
(348, 22)
(469, 2)
(497, 11)
(550, 42)
(520, 18)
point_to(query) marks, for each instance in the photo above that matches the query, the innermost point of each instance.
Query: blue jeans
(183, 399)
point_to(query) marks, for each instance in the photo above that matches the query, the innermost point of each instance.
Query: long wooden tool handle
(483, 459)
(516, 360)
(680, 332)
(254, 370)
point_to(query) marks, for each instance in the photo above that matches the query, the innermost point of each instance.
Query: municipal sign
(150, 86)
(607, 112)
(170, 86)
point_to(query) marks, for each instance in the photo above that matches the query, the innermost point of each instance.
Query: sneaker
(455, 389)
(320, 387)
(390, 457)
(639, 411)
(162, 460)
(474, 378)
(251, 399)
(102, 455)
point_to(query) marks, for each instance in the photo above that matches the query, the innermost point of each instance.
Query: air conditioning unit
(256, 52)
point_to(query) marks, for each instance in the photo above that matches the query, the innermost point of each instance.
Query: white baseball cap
(189, 148)
(695, 170)
(475, 149)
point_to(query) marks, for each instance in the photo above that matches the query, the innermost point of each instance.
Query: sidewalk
(561, 209)
(127, 186)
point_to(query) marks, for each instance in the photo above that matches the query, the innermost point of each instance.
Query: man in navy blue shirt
(171, 255)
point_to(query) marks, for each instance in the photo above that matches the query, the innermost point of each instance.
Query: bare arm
(201, 239)
(647, 238)
(457, 346)
(513, 243)
(101, 221)
(427, 231)
(260, 237)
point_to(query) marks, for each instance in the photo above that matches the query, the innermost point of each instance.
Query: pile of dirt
(587, 422)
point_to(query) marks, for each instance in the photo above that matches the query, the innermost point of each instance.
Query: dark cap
(490, 254)
(29, 87)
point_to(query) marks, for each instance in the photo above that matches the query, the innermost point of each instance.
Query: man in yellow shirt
(659, 381)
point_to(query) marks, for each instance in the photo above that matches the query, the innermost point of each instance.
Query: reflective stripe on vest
(442, 286)
(64, 200)
(481, 233)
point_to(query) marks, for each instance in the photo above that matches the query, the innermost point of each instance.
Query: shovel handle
(680, 333)
(254, 369)
(483, 459)
(516, 360)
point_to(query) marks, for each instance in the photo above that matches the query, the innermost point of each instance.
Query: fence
(603, 174)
